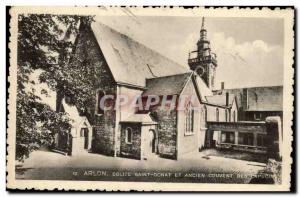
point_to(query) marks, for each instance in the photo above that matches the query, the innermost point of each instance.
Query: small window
(100, 95)
(128, 135)
(217, 115)
(83, 132)
(228, 137)
(257, 116)
(204, 115)
(246, 139)
(261, 140)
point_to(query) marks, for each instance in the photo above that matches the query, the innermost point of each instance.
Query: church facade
(121, 67)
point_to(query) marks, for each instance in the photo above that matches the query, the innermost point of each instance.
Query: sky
(249, 50)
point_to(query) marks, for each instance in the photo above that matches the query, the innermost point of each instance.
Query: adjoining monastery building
(122, 66)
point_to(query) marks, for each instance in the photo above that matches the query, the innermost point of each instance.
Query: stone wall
(133, 149)
(124, 111)
(167, 132)
(97, 76)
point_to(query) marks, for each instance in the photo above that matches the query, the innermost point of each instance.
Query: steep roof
(140, 118)
(132, 62)
(73, 113)
(220, 99)
(204, 90)
(168, 85)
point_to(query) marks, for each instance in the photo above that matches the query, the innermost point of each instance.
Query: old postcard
(150, 99)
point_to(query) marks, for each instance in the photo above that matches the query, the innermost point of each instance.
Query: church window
(189, 119)
(100, 95)
(128, 135)
(217, 114)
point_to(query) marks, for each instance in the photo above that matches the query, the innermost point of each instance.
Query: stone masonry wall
(167, 132)
(96, 74)
(131, 150)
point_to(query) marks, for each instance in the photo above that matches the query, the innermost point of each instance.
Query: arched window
(128, 135)
(100, 95)
(189, 119)
(227, 115)
(217, 114)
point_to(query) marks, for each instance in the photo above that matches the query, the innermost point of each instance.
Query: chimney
(227, 98)
(245, 99)
(222, 85)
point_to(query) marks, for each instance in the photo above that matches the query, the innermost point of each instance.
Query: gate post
(274, 136)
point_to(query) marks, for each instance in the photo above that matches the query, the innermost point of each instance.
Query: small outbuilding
(139, 137)
(78, 139)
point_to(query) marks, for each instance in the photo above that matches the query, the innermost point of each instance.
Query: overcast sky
(249, 50)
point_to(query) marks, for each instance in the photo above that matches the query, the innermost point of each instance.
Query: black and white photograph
(134, 96)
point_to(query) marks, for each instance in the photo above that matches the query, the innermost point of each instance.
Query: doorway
(85, 133)
(152, 142)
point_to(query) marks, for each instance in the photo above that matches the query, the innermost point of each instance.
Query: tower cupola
(202, 60)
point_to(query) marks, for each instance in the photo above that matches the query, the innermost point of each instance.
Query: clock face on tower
(200, 70)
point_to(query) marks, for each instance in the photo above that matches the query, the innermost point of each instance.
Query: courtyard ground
(233, 154)
(193, 167)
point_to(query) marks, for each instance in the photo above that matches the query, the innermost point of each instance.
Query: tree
(42, 44)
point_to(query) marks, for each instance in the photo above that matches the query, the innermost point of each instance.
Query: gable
(191, 91)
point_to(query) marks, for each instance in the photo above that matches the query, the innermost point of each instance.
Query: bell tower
(202, 60)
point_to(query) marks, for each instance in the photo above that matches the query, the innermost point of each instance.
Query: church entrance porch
(85, 134)
(63, 142)
(138, 137)
(150, 140)
(76, 141)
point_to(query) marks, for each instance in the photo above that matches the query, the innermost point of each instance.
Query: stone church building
(123, 66)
